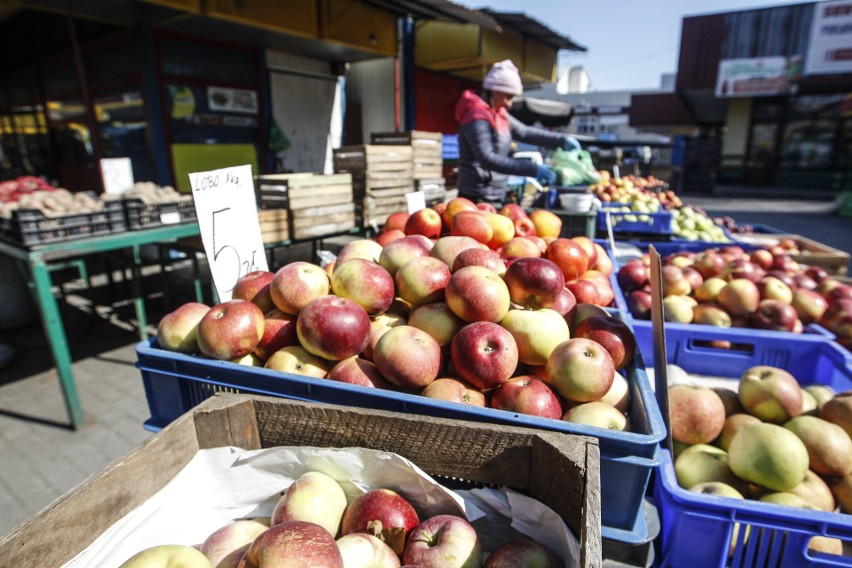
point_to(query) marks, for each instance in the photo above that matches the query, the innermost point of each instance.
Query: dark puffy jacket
(485, 138)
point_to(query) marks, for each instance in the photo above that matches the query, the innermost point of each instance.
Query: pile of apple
(770, 440)
(313, 525)
(632, 189)
(447, 303)
(727, 286)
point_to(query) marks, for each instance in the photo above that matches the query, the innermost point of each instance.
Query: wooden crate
(322, 220)
(376, 167)
(302, 190)
(560, 470)
(811, 252)
(426, 150)
(274, 225)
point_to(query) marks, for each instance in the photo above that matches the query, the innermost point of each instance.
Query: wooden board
(322, 210)
(310, 191)
(299, 180)
(318, 199)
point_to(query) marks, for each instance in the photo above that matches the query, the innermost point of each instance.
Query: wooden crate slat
(324, 229)
(319, 199)
(299, 192)
(307, 222)
(321, 210)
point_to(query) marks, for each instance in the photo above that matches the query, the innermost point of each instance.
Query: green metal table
(36, 261)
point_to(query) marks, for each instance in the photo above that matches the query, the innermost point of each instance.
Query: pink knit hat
(504, 78)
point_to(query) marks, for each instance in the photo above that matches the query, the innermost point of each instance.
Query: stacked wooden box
(312, 205)
(426, 151)
(381, 176)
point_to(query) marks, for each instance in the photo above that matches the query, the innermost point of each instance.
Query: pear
(829, 447)
(768, 455)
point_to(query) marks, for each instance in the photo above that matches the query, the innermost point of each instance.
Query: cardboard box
(562, 471)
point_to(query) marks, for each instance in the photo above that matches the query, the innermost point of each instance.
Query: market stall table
(36, 261)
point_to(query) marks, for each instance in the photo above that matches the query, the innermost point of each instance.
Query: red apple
(364, 282)
(448, 247)
(742, 268)
(279, 330)
(580, 370)
(771, 288)
(809, 305)
(785, 278)
(564, 303)
(520, 247)
(709, 264)
(740, 297)
(534, 283)
(425, 222)
(475, 293)
(378, 326)
(615, 336)
(296, 284)
(693, 277)
(383, 513)
(230, 330)
(582, 311)
(484, 354)
(453, 390)
(513, 211)
(697, 414)
(422, 280)
(178, 330)
(254, 287)
(774, 315)
(817, 273)
(633, 275)
(536, 333)
(528, 553)
(473, 224)
(603, 263)
(485, 206)
(333, 328)
(408, 357)
(524, 227)
(357, 371)
(479, 257)
(386, 237)
(639, 304)
(569, 256)
(588, 245)
(584, 291)
(396, 221)
(784, 263)
(398, 252)
(674, 282)
(443, 541)
(293, 544)
(455, 206)
(805, 281)
(526, 394)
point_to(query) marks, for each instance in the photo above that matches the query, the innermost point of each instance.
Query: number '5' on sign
(227, 219)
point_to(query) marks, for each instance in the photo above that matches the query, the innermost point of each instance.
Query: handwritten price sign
(227, 218)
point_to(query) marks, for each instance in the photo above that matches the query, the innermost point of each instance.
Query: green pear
(768, 455)
(703, 463)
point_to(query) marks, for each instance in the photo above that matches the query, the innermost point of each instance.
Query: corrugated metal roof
(533, 28)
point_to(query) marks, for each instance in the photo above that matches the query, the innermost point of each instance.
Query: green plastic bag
(574, 167)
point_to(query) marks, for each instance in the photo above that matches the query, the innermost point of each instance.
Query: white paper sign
(416, 201)
(117, 174)
(830, 50)
(227, 219)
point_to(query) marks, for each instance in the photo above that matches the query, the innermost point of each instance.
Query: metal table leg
(52, 322)
(138, 300)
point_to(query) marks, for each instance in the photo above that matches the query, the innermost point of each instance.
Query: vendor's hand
(545, 176)
(570, 143)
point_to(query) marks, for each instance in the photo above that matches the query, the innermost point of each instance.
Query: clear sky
(630, 43)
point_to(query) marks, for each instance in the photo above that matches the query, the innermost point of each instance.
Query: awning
(546, 112)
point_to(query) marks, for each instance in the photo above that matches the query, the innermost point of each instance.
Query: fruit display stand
(700, 526)
(174, 383)
(560, 471)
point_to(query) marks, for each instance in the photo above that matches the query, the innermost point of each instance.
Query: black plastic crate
(32, 227)
(141, 215)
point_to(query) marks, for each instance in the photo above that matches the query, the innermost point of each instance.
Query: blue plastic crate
(635, 222)
(450, 147)
(174, 383)
(690, 345)
(696, 526)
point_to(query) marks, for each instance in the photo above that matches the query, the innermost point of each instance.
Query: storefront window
(123, 130)
(810, 132)
(762, 147)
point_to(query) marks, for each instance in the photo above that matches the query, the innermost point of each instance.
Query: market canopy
(543, 111)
